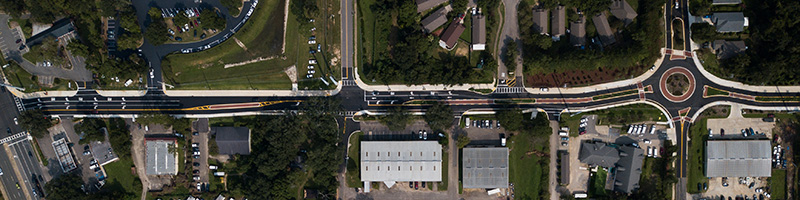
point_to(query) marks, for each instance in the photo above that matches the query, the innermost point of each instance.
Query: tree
(396, 119)
(232, 6)
(77, 48)
(36, 122)
(154, 13)
(15, 8)
(439, 116)
(510, 119)
(156, 32)
(180, 20)
(91, 129)
(211, 20)
(510, 55)
(120, 137)
(65, 187)
(462, 140)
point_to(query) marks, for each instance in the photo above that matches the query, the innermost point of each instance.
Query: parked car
(195, 144)
(19, 40)
(196, 164)
(195, 171)
(312, 62)
(312, 71)
(311, 67)
(309, 76)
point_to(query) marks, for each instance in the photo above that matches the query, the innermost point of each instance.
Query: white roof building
(394, 161)
(485, 167)
(738, 158)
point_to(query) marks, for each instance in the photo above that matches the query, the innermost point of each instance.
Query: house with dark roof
(478, 32)
(623, 11)
(598, 154)
(603, 29)
(629, 169)
(577, 32)
(423, 5)
(725, 2)
(559, 22)
(449, 38)
(726, 49)
(624, 163)
(435, 19)
(232, 140)
(60, 28)
(540, 20)
(729, 21)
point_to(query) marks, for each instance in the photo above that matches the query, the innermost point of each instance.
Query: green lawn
(598, 183)
(615, 94)
(716, 92)
(778, 184)
(21, 78)
(353, 175)
(120, 177)
(445, 165)
(27, 28)
(262, 35)
(698, 134)
(677, 36)
(527, 172)
(777, 98)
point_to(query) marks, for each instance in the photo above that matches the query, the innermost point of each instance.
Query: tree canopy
(36, 122)
(211, 20)
(396, 119)
(439, 116)
(91, 130)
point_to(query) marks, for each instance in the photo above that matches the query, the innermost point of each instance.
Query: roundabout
(677, 84)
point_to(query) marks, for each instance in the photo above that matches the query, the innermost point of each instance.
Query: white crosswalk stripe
(19, 104)
(509, 90)
(13, 137)
(349, 83)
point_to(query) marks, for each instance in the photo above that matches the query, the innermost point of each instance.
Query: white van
(467, 122)
(562, 133)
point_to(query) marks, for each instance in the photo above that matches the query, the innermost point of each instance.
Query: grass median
(777, 184)
(698, 134)
(353, 175)
(716, 92)
(615, 94)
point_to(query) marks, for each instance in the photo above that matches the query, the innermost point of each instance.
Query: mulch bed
(579, 77)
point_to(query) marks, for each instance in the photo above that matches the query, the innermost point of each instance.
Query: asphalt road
(9, 178)
(28, 164)
(348, 43)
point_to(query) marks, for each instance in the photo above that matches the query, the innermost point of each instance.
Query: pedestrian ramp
(13, 137)
(506, 90)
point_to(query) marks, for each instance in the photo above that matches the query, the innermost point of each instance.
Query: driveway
(201, 127)
(510, 31)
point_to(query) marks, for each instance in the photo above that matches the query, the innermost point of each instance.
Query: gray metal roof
(559, 22)
(393, 161)
(478, 29)
(436, 19)
(159, 160)
(724, 2)
(423, 5)
(564, 168)
(603, 29)
(577, 32)
(726, 49)
(540, 20)
(728, 21)
(738, 158)
(485, 167)
(598, 154)
(623, 11)
(629, 169)
(232, 140)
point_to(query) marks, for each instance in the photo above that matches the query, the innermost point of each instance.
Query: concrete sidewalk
(398, 87)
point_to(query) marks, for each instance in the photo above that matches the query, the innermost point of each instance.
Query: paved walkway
(366, 87)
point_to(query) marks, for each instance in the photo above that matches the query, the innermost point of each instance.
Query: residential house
(540, 20)
(423, 5)
(623, 162)
(60, 28)
(558, 22)
(232, 140)
(727, 22)
(726, 49)
(623, 11)
(478, 32)
(435, 19)
(449, 38)
(577, 32)
(603, 29)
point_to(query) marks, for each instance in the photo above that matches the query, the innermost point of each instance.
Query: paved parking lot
(201, 127)
(374, 130)
(715, 188)
(485, 135)
(9, 37)
(735, 123)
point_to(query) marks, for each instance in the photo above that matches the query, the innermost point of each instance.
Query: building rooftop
(559, 22)
(603, 29)
(577, 32)
(598, 154)
(423, 5)
(159, 161)
(726, 49)
(629, 169)
(540, 20)
(729, 21)
(435, 19)
(485, 167)
(478, 32)
(232, 140)
(623, 11)
(393, 161)
(450, 36)
(564, 168)
(59, 28)
(738, 158)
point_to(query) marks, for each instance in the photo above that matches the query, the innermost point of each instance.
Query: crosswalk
(20, 107)
(349, 83)
(13, 137)
(509, 90)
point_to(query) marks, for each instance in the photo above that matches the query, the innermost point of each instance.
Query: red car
(195, 22)
(416, 185)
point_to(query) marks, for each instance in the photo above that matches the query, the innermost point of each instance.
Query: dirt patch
(292, 73)
(677, 84)
(579, 77)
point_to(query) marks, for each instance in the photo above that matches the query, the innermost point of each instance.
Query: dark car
(9, 131)
(178, 39)
(722, 132)
(19, 40)
(195, 149)
(196, 172)
(410, 184)
(195, 133)
(705, 186)
(196, 164)
(203, 36)
(21, 47)
(30, 154)
(699, 186)
(423, 184)
(196, 157)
